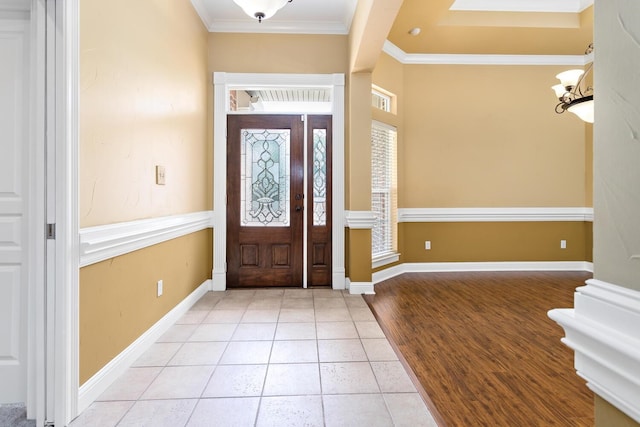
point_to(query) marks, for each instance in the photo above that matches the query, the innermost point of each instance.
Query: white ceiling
(299, 17)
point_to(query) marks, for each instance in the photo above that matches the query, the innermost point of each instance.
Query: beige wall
(144, 89)
(495, 241)
(143, 100)
(277, 53)
(118, 297)
(487, 136)
(461, 143)
(608, 415)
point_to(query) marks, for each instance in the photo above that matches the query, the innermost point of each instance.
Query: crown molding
(480, 59)
(603, 331)
(494, 214)
(544, 6)
(273, 26)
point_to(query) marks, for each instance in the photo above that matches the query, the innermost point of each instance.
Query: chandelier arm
(561, 107)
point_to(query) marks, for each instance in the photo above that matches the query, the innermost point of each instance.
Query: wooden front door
(265, 200)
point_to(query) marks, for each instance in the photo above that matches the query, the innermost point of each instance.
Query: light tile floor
(266, 357)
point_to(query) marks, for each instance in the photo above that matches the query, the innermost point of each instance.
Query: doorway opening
(275, 224)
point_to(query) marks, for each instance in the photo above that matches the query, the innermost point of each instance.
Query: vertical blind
(383, 188)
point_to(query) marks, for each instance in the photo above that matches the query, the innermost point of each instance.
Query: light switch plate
(160, 176)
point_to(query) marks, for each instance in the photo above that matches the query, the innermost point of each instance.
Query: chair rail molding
(363, 220)
(501, 214)
(603, 331)
(108, 241)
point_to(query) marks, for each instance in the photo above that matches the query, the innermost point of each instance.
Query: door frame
(223, 82)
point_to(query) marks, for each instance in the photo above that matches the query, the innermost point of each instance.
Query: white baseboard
(98, 383)
(358, 288)
(603, 331)
(435, 267)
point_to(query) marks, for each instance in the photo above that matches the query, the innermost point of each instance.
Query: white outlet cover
(160, 285)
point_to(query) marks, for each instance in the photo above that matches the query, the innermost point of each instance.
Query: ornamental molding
(603, 331)
(108, 241)
(494, 214)
(359, 220)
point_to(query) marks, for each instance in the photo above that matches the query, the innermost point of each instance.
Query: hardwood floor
(482, 347)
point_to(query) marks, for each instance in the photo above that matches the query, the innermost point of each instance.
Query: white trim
(65, 112)
(99, 382)
(437, 267)
(539, 6)
(359, 220)
(480, 59)
(494, 214)
(385, 259)
(603, 331)
(358, 288)
(222, 82)
(109, 241)
(273, 26)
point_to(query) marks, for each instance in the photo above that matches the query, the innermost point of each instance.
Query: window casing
(384, 192)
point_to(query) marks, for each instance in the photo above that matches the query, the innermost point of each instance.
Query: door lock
(298, 208)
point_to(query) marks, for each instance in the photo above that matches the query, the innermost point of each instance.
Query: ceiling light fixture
(574, 95)
(261, 9)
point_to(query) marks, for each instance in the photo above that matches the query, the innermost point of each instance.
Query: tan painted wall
(469, 141)
(277, 53)
(608, 415)
(118, 298)
(494, 241)
(144, 90)
(143, 101)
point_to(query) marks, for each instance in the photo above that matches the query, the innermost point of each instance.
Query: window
(383, 193)
(381, 100)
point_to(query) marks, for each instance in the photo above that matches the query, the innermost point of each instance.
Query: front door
(265, 200)
(266, 206)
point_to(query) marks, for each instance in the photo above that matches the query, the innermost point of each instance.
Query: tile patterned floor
(266, 357)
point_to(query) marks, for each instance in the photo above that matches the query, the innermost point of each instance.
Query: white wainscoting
(603, 330)
(98, 383)
(495, 214)
(108, 241)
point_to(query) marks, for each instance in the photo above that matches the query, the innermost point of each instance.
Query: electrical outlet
(160, 175)
(563, 244)
(427, 245)
(160, 285)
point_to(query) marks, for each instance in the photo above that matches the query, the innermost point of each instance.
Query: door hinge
(51, 231)
(302, 118)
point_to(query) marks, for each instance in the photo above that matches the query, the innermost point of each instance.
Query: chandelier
(261, 9)
(573, 93)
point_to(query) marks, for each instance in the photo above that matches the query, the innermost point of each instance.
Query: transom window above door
(281, 100)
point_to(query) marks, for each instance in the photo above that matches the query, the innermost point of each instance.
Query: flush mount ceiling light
(573, 93)
(261, 9)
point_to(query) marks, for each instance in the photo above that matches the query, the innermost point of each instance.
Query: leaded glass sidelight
(265, 177)
(319, 177)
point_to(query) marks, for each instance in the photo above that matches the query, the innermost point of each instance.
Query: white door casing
(222, 83)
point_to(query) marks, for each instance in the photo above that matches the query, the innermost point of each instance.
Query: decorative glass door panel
(319, 189)
(265, 178)
(319, 177)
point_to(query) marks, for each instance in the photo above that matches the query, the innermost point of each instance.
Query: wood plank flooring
(482, 347)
